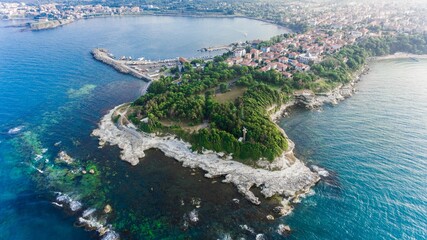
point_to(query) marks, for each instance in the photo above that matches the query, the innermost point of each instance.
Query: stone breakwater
(289, 179)
(103, 55)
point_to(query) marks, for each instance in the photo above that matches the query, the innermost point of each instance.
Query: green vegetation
(190, 98)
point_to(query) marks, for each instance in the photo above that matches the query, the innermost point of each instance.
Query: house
(287, 75)
(239, 52)
(293, 55)
(283, 60)
(265, 49)
(181, 62)
(281, 67)
(302, 67)
(307, 57)
(265, 69)
(255, 53)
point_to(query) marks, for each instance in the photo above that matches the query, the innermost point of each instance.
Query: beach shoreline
(400, 55)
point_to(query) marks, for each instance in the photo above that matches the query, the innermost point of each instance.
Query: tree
(223, 87)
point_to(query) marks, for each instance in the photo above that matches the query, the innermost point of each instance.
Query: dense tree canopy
(189, 98)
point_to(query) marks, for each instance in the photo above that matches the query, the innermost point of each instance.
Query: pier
(141, 68)
(145, 70)
(217, 48)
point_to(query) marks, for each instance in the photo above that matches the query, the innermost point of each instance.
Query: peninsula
(219, 115)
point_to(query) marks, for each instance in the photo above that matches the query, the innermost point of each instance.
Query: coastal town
(203, 138)
(299, 16)
(296, 52)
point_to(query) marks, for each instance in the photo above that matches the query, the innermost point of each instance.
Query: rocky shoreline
(310, 100)
(289, 179)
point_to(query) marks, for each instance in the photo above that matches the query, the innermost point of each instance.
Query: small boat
(414, 59)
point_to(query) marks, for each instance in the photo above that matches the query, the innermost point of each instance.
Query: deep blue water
(375, 146)
(40, 75)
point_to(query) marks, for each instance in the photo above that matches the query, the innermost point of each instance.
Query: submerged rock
(15, 130)
(64, 157)
(283, 229)
(108, 208)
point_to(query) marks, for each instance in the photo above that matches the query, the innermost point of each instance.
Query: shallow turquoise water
(375, 146)
(41, 74)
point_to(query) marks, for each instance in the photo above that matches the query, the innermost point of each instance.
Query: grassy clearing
(231, 95)
(185, 126)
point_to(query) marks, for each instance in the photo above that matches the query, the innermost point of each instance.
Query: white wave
(193, 216)
(260, 236)
(88, 212)
(225, 236)
(38, 157)
(72, 203)
(38, 170)
(58, 204)
(100, 226)
(247, 228)
(75, 205)
(111, 235)
(321, 171)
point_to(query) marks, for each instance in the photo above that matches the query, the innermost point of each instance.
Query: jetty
(148, 73)
(217, 48)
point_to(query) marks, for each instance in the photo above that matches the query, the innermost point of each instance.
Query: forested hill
(195, 98)
(210, 104)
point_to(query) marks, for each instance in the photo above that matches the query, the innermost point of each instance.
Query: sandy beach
(401, 56)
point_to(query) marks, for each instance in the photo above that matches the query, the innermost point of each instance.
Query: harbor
(147, 71)
(141, 68)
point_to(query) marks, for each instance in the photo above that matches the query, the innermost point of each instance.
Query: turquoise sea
(374, 144)
(375, 147)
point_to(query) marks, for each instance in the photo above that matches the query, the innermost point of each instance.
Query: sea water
(53, 93)
(375, 147)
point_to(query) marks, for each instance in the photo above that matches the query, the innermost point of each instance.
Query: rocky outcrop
(311, 100)
(290, 178)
